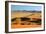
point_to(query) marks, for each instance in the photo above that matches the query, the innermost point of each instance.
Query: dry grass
(29, 15)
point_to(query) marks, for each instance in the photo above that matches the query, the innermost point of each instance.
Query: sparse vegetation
(26, 18)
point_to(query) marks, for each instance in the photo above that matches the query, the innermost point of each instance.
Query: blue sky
(23, 7)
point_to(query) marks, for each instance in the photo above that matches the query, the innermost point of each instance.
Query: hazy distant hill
(27, 11)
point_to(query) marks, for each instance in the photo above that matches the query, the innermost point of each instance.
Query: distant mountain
(27, 11)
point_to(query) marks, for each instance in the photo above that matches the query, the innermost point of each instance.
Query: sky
(23, 7)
